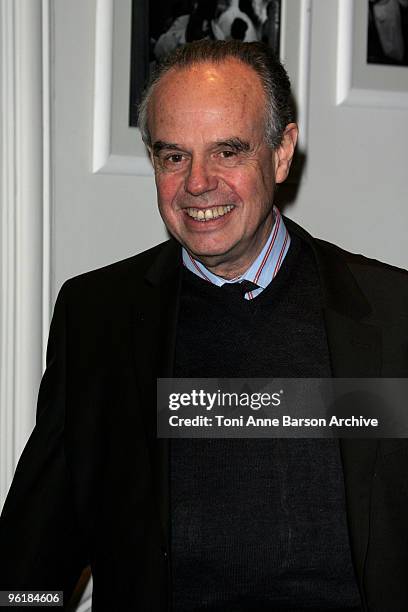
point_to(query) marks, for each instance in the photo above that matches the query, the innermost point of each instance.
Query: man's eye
(175, 158)
(227, 154)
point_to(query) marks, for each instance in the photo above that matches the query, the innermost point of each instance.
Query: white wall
(24, 299)
(98, 218)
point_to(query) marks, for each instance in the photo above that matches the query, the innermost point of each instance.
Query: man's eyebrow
(235, 143)
(159, 145)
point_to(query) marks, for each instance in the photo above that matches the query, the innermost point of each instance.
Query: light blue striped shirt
(262, 271)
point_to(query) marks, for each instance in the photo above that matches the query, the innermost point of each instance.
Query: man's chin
(208, 249)
(211, 258)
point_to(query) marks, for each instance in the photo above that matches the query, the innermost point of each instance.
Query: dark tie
(239, 288)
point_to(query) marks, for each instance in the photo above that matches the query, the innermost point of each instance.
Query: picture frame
(167, 23)
(118, 148)
(358, 82)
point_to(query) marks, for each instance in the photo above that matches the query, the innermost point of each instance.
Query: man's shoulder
(118, 276)
(384, 286)
(360, 263)
(357, 263)
(347, 277)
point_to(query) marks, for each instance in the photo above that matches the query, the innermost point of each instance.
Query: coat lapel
(155, 324)
(355, 352)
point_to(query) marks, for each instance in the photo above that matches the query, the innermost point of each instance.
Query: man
(227, 525)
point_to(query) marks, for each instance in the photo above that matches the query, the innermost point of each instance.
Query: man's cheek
(167, 188)
(239, 179)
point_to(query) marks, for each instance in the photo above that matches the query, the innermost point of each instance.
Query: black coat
(92, 483)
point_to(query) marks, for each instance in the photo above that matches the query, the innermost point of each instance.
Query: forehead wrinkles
(230, 86)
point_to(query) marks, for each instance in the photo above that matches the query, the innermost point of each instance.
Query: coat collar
(340, 290)
(354, 341)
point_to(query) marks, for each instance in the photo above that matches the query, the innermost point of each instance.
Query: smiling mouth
(209, 213)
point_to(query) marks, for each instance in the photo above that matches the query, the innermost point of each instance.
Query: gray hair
(279, 110)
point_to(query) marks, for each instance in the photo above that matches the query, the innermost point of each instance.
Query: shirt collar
(265, 267)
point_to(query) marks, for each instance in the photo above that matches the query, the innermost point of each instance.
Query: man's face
(215, 175)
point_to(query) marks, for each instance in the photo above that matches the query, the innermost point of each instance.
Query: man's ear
(283, 154)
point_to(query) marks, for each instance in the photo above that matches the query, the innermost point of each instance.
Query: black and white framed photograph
(124, 53)
(160, 26)
(372, 53)
(387, 33)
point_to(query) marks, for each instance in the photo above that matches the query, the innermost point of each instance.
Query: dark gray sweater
(258, 524)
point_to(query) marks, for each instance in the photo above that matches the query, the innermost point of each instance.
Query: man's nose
(200, 178)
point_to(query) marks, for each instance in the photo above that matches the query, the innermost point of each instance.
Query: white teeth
(208, 213)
